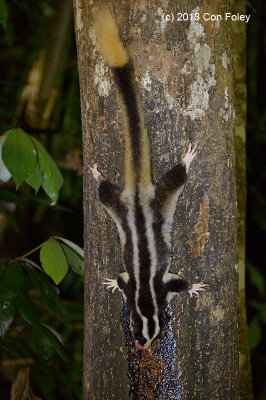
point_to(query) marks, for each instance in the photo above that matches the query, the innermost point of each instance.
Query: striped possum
(143, 211)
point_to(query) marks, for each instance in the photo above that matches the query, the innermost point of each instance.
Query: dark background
(47, 26)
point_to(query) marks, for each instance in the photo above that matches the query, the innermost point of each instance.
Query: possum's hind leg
(120, 283)
(174, 284)
(111, 284)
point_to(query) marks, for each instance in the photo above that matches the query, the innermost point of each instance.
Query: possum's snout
(138, 345)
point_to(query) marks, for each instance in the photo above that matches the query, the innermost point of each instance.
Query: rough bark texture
(240, 106)
(184, 71)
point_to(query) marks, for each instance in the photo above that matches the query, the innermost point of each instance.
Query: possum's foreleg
(171, 183)
(109, 194)
(168, 189)
(188, 157)
(96, 173)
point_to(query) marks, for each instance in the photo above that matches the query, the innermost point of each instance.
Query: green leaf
(4, 173)
(74, 260)
(256, 277)
(27, 308)
(11, 283)
(53, 260)
(7, 314)
(35, 179)
(32, 264)
(72, 245)
(3, 13)
(10, 286)
(48, 294)
(254, 333)
(44, 345)
(55, 333)
(19, 155)
(57, 342)
(52, 177)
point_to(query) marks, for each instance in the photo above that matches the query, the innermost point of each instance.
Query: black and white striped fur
(143, 211)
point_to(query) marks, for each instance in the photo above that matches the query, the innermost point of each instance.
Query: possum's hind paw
(196, 287)
(111, 284)
(96, 173)
(188, 157)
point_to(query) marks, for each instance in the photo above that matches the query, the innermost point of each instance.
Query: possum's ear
(164, 319)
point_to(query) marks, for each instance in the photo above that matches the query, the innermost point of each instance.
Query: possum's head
(146, 329)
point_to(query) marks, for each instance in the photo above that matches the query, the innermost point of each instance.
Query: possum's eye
(141, 340)
(167, 316)
(136, 330)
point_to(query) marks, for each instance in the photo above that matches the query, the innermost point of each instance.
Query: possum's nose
(140, 347)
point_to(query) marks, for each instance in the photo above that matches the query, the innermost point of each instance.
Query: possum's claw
(188, 157)
(111, 284)
(196, 287)
(96, 173)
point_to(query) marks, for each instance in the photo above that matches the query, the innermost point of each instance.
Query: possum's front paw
(188, 157)
(96, 173)
(111, 284)
(196, 287)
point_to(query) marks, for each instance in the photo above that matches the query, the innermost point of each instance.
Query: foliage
(256, 195)
(3, 13)
(255, 329)
(41, 324)
(21, 157)
(27, 160)
(20, 278)
(29, 304)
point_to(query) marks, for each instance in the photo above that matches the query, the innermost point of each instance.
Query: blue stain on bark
(154, 374)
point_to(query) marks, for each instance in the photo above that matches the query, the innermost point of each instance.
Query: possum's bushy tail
(137, 149)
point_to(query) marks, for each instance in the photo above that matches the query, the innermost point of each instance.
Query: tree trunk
(184, 71)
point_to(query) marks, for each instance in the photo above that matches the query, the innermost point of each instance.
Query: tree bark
(184, 72)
